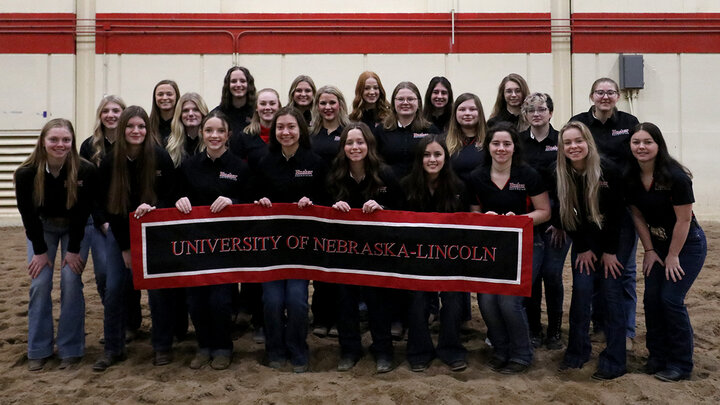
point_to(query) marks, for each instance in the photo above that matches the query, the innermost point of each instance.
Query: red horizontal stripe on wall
(646, 32)
(323, 33)
(37, 33)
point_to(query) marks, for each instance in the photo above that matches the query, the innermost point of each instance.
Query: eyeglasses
(539, 110)
(403, 100)
(603, 93)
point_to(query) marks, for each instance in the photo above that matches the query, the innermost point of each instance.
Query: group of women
(384, 154)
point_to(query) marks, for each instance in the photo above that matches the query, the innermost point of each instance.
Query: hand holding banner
(397, 249)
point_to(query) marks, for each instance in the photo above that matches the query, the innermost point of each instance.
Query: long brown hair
(226, 96)
(118, 196)
(98, 135)
(382, 107)
(38, 160)
(341, 167)
(455, 135)
(291, 94)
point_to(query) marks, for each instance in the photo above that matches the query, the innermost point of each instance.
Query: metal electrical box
(631, 72)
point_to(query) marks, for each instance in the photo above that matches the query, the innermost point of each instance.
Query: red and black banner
(398, 249)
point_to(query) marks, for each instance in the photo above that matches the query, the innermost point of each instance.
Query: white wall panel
(34, 85)
(41, 6)
(679, 96)
(321, 6)
(646, 6)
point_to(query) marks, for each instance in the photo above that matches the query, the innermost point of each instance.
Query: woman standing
(438, 103)
(251, 144)
(238, 98)
(285, 302)
(511, 93)
(661, 198)
(139, 176)
(551, 244)
(466, 134)
(165, 97)
(94, 149)
(185, 138)
(302, 96)
(591, 209)
(359, 179)
(370, 104)
(503, 185)
(610, 130)
(216, 178)
(403, 128)
(329, 117)
(432, 186)
(53, 189)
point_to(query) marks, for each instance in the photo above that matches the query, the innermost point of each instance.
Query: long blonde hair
(38, 160)
(98, 135)
(567, 185)
(342, 115)
(178, 137)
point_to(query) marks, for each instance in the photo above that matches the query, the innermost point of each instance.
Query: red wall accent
(646, 32)
(361, 33)
(323, 33)
(37, 33)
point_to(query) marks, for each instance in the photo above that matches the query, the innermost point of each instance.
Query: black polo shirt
(54, 204)
(288, 180)
(611, 206)
(249, 147)
(658, 203)
(203, 180)
(542, 155)
(238, 118)
(503, 116)
(165, 191)
(397, 146)
(326, 145)
(390, 195)
(514, 196)
(467, 159)
(613, 136)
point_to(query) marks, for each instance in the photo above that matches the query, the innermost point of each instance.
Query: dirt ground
(136, 380)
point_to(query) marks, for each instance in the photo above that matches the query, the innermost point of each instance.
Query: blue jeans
(669, 333)
(613, 359)
(286, 336)
(507, 327)
(97, 242)
(629, 281)
(420, 349)
(71, 325)
(211, 310)
(117, 283)
(548, 263)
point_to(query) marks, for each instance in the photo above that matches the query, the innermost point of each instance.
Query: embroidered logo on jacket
(303, 173)
(417, 135)
(551, 148)
(517, 186)
(618, 132)
(228, 176)
(603, 184)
